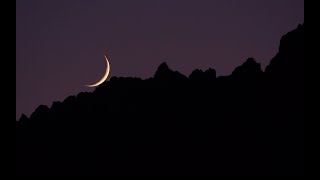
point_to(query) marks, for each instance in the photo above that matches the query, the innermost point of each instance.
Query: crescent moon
(105, 75)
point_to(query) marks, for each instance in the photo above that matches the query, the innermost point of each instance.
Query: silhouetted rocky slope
(248, 123)
(164, 73)
(198, 75)
(249, 69)
(287, 63)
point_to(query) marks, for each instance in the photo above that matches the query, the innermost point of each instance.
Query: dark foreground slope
(248, 123)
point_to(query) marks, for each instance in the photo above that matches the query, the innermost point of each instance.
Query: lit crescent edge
(105, 75)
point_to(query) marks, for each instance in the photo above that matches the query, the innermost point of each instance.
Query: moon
(105, 75)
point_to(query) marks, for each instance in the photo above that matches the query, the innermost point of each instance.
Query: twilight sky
(60, 43)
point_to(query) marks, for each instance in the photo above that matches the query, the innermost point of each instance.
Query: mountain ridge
(248, 123)
(165, 73)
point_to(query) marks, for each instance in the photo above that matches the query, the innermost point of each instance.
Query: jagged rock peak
(249, 68)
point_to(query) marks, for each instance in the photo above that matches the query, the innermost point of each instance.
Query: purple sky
(60, 43)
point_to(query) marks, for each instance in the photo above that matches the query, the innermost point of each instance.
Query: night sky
(60, 44)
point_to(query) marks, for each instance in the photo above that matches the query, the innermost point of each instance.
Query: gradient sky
(60, 43)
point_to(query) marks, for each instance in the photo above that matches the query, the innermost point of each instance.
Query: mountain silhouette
(289, 57)
(164, 73)
(198, 75)
(248, 123)
(249, 69)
